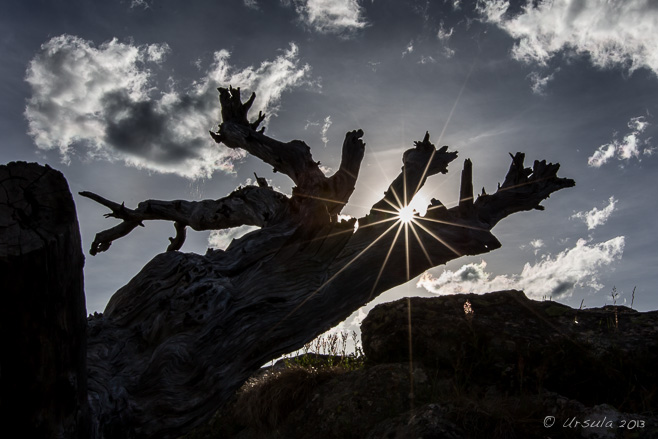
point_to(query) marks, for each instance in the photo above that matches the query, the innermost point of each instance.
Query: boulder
(504, 366)
(598, 355)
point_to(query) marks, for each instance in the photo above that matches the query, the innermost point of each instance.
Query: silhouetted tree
(187, 331)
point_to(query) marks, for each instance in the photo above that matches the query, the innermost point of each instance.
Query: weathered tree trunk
(188, 330)
(44, 377)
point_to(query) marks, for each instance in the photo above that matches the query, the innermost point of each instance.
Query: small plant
(614, 302)
(327, 351)
(468, 310)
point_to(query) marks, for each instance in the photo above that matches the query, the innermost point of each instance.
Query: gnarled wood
(188, 330)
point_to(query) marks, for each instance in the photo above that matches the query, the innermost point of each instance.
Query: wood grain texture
(186, 332)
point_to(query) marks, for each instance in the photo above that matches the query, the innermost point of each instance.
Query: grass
(327, 351)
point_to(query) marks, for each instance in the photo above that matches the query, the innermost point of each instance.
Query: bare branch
(177, 241)
(251, 205)
(293, 158)
(420, 162)
(523, 189)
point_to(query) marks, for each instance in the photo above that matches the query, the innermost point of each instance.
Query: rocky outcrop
(43, 386)
(510, 367)
(600, 355)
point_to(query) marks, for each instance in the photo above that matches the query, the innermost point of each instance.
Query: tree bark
(44, 377)
(187, 331)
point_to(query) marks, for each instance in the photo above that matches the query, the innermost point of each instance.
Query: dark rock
(600, 355)
(42, 317)
(513, 368)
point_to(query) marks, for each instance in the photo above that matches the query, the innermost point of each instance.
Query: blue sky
(119, 96)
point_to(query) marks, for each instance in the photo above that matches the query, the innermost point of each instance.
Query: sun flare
(406, 214)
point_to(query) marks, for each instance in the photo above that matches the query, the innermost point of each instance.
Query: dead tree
(188, 330)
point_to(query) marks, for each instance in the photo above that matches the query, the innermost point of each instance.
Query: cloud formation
(101, 102)
(612, 33)
(139, 3)
(554, 277)
(408, 49)
(630, 146)
(539, 82)
(331, 16)
(325, 129)
(443, 36)
(596, 217)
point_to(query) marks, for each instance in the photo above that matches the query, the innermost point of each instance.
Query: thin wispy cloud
(444, 37)
(102, 102)
(536, 244)
(611, 33)
(325, 129)
(330, 16)
(630, 146)
(596, 217)
(554, 277)
(539, 82)
(139, 3)
(409, 49)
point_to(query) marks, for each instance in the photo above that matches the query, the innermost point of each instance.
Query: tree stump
(43, 317)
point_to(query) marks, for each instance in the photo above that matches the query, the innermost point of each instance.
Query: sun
(406, 214)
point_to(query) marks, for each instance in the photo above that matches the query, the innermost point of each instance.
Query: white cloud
(553, 277)
(139, 3)
(408, 49)
(612, 33)
(330, 16)
(444, 37)
(443, 34)
(325, 129)
(220, 239)
(373, 65)
(536, 244)
(596, 217)
(492, 10)
(628, 147)
(101, 102)
(253, 4)
(539, 82)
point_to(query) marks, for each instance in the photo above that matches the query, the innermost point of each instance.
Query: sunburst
(406, 214)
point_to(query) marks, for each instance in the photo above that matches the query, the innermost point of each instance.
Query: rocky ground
(478, 366)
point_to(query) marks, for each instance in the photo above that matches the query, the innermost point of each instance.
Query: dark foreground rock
(511, 368)
(43, 386)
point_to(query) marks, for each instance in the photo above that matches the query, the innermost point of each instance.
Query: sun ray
(340, 232)
(406, 245)
(445, 125)
(422, 246)
(392, 212)
(388, 254)
(325, 283)
(433, 235)
(448, 223)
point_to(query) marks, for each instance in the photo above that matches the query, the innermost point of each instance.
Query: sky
(119, 95)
